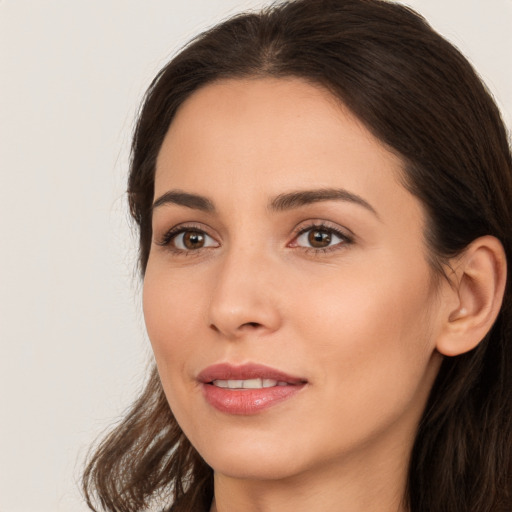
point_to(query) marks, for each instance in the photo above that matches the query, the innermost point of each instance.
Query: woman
(323, 192)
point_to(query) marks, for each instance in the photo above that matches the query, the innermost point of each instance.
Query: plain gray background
(73, 347)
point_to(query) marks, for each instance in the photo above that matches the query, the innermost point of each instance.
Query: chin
(254, 461)
(260, 469)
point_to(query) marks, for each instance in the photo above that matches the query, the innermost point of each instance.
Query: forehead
(267, 135)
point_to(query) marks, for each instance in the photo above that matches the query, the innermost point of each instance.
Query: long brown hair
(416, 93)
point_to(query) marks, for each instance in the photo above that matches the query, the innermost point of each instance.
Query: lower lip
(247, 401)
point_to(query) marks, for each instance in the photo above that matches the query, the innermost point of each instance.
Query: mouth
(248, 383)
(248, 376)
(247, 389)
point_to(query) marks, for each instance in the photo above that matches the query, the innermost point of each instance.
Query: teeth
(252, 384)
(248, 383)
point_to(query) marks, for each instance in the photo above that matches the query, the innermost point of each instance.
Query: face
(288, 299)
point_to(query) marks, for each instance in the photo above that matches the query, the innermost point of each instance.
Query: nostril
(252, 324)
(247, 326)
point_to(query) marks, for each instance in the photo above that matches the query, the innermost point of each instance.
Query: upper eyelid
(337, 232)
(169, 234)
(325, 224)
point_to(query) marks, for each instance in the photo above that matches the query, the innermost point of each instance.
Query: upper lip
(227, 371)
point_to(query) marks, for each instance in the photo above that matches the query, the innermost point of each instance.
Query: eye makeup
(317, 236)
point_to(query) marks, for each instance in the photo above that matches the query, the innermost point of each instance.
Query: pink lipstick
(247, 389)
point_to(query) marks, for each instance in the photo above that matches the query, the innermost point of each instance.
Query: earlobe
(478, 285)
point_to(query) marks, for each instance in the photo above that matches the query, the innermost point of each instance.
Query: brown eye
(192, 240)
(319, 238)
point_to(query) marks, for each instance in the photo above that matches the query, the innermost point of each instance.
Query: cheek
(171, 312)
(371, 335)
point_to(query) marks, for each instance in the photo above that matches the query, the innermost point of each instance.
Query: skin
(359, 320)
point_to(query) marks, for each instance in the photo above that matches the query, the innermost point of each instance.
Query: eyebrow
(186, 199)
(293, 200)
(282, 202)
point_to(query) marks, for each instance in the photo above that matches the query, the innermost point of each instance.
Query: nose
(244, 299)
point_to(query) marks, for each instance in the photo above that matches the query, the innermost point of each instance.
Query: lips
(246, 372)
(247, 389)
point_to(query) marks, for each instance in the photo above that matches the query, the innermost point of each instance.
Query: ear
(475, 298)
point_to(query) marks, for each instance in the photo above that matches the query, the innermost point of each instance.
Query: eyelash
(345, 238)
(173, 233)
